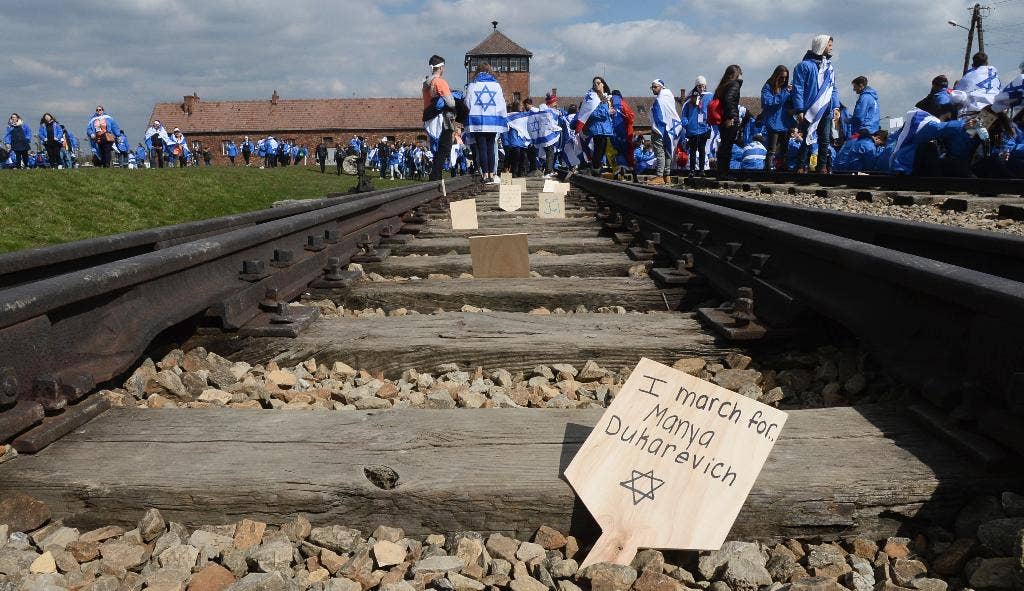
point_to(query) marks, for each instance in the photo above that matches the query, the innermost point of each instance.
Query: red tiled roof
(498, 44)
(293, 115)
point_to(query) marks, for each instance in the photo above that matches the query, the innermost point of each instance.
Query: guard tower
(510, 61)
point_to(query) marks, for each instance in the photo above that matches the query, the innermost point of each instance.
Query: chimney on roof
(495, 25)
(274, 97)
(190, 103)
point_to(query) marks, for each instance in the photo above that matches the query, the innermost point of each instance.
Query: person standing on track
(487, 118)
(622, 141)
(698, 131)
(666, 129)
(728, 95)
(777, 122)
(815, 98)
(438, 114)
(866, 113)
(595, 119)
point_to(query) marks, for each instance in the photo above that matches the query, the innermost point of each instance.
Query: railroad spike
(8, 387)
(253, 270)
(701, 237)
(314, 243)
(283, 257)
(732, 250)
(46, 391)
(758, 261)
(685, 262)
(76, 386)
(332, 236)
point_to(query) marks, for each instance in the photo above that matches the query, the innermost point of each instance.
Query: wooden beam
(550, 243)
(580, 265)
(834, 472)
(510, 340)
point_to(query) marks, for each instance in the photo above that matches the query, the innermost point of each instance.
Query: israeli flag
(822, 103)
(521, 123)
(982, 86)
(668, 124)
(590, 102)
(1011, 96)
(916, 120)
(543, 127)
(487, 112)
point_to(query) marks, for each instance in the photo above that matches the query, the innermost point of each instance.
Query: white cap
(700, 81)
(659, 82)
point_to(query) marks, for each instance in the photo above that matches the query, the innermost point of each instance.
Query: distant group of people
(972, 129)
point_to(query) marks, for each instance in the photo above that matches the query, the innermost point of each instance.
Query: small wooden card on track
(506, 178)
(549, 186)
(551, 205)
(670, 463)
(464, 214)
(501, 255)
(510, 197)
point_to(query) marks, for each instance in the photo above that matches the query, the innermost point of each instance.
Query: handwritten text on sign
(671, 462)
(551, 205)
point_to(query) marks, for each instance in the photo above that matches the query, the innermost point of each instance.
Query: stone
(527, 583)
(503, 547)
(23, 513)
(897, 547)
(929, 584)
(297, 529)
(43, 565)
(650, 580)
(172, 386)
(103, 583)
(62, 536)
(709, 564)
(590, 371)
(952, 560)
(998, 535)
(440, 400)
(527, 551)
(387, 553)
(272, 557)
(101, 534)
(283, 379)
(1013, 504)
(549, 538)
(978, 511)
(84, 551)
(564, 371)
(690, 365)
(782, 567)
(649, 560)
(734, 379)
(212, 577)
(862, 547)
(165, 579)
(563, 569)
(472, 399)
(215, 396)
(994, 573)
(43, 582)
(399, 586)
(438, 564)
(605, 576)
(336, 538)
(210, 544)
(904, 571)
(464, 583)
(568, 586)
(249, 533)
(122, 555)
(181, 557)
(822, 555)
(814, 584)
(737, 361)
(342, 584)
(858, 581)
(745, 575)
(151, 525)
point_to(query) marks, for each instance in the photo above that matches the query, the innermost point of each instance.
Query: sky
(67, 56)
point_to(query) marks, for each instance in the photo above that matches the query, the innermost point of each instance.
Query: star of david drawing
(987, 83)
(489, 101)
(642, 485)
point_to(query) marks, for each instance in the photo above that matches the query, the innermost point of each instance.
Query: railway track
(941, 308)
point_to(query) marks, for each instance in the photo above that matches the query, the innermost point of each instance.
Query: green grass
(40, 207)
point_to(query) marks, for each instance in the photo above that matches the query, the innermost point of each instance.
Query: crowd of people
(974, 128)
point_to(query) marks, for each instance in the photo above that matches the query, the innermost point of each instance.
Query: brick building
(308, 121)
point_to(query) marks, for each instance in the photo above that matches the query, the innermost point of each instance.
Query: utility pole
(981, 29)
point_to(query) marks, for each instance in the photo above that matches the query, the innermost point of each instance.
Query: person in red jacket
(622, 126)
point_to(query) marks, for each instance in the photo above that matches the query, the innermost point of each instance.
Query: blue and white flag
(590, 102)
(521, 123)
(916, 119)
(486, 102)
(666, 121)
(1011, 96)
(543, 126)
(982, 86)
(821, 106)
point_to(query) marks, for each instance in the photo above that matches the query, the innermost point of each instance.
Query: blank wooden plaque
(502, 255)
(464, 214)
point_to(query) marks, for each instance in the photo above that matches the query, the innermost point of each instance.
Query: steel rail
(947, 329)
(62, 335)
(882, 182)
(31, 264)
(995, 253)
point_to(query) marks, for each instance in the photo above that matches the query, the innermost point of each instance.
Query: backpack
(715, 112)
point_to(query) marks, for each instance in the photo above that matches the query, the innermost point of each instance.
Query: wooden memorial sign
(503, 255)
(521, 181)
(510, 197)
(562, 188)
(670, 463)
(549, 186)
(463, 214)
(506, 179)
(551, 205)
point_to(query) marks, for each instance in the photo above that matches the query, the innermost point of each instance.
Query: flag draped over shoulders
(486, 102)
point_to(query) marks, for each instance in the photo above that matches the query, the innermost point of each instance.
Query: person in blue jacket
(52, 138)
(920, 128)
(777, 121)
(806, 91)
(102, 132)
(123, 147)
(754, 154)
(231, 149)
(595, 119)
(866, 113)
(69, 148)
(18, 138)
(247, 149)
(141, 154)
(860, 154)
(796, 140)
(695, 120)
